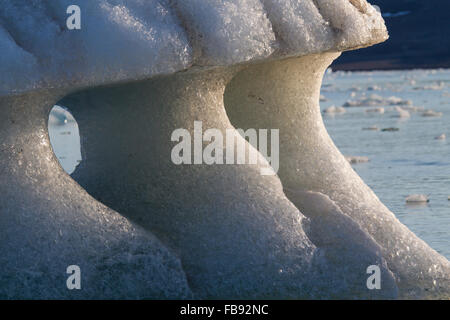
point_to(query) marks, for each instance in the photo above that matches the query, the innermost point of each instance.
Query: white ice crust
(124, 40)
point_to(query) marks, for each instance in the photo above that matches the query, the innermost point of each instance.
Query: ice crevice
(144, 227)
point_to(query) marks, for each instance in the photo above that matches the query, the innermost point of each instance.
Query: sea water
(404, 162)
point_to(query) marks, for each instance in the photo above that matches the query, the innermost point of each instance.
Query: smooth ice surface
(124, 40)
(237, 234)
(309, 161)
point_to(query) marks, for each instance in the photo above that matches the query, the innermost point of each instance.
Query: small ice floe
(390, 129)
(357, 159)
(334, 110)
(372, 128)
(396, 101)
(417, 198)
(441, 137)
(323, 98)
(375, 100)
(355, 88)
(413, 108)
(379, 110)
(432, 113)
(448, 198)
(402, 113)
(373, 88)
(435, 86)
(328, 87)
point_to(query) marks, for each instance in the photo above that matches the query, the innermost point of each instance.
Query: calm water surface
(404, 162)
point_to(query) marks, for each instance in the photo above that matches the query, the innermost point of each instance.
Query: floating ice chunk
(322, 98)
(390, 129)
(357, 159)
(435, 86)
(432, 113)
(376, 110)
(401, 113)
(413, 108)
(334, 110)
(372, 128)
(441, 137)
(374, 88)
(396, 101)
(354, 89)
(376, 100)
(417, 198)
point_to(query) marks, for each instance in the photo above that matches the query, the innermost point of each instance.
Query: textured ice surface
(124, 40)
(48, 222)
(355, 21)
(299, 26)
(118, 40)
(236, 233)
(227, 31)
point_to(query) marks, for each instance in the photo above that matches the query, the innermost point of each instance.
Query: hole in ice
(65, 138)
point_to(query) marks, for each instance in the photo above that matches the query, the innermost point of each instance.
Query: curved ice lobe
(299, 26)
(119, 40)
(225, 32)
(344, 249)
(356, 22)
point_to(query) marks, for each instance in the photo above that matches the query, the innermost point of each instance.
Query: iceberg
(134, 73)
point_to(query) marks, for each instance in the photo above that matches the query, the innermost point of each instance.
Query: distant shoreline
(385, 65)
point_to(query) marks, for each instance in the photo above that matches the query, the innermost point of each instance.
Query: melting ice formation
(140, 226)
